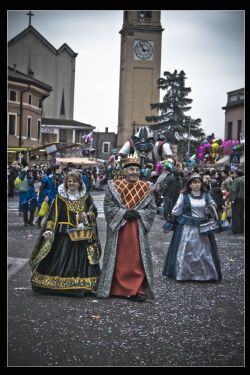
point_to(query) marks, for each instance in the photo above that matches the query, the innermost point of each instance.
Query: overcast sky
(209, 45)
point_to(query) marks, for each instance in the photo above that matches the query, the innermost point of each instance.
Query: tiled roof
(65, 122)
(16, 75)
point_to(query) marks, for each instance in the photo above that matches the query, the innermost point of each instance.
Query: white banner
(49, 129)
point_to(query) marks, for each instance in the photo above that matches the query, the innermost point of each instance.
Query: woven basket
(80, 234)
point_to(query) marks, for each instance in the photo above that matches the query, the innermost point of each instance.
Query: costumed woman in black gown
(61, 263)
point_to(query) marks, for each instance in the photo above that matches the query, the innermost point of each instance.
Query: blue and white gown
(191, 255)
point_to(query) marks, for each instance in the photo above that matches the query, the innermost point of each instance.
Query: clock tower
(140, 68)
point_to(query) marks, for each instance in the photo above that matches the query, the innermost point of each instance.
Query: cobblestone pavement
(188, 324)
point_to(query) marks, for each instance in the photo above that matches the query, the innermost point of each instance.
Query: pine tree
(173, 122)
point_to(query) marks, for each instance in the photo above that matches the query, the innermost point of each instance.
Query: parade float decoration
(212, 150)
(88, 149)
(161, 149)
(142, 142)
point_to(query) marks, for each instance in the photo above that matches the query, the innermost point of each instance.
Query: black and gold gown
(65, 266)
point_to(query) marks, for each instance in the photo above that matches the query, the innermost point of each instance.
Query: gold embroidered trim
(45, 249)
(92, 217)
(75, 206)
(80, 234)
(58, 282)
(50, 225)
(93, 253)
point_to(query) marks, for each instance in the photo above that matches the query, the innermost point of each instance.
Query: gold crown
(132, 159)
(80, 234)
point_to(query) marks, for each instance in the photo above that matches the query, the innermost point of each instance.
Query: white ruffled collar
(63, 192)
(196, 193)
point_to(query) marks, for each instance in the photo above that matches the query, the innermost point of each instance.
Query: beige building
(140, 68)
(234, 114)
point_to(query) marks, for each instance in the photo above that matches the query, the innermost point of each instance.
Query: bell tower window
(144, 15)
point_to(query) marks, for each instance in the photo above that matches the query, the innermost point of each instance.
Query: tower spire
(30, 14)
(62, 110)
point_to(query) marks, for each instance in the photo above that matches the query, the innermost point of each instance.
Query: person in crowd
(13, 170)
(44, 196)
(227, 180)
(170, 188)
(206, 181)
(236, 196)
(191, 255)
(85, 180)
(129, 208)
(55, 179)
(227, 206)
(158, 198)
(65, 259)
(218, 176)
(217, 195)
(27, 196)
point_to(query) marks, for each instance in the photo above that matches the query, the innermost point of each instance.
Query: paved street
(187, 324)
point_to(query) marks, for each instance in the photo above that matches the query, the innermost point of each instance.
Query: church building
(30, 53)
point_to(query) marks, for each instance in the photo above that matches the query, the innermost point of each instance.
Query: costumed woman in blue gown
(191, 255)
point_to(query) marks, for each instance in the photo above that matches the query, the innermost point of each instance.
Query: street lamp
(188, 150)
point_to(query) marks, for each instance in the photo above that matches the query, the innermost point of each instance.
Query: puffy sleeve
(211, 201)
(178, 207)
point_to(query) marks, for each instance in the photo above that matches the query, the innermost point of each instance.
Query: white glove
(83, 218)
(48, 235)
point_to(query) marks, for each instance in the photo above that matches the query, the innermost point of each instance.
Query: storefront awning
(78, 161)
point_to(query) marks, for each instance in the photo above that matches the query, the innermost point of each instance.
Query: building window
(239, 129)
(106, 147)
(12, 124)
(241, 96)
(13, 95)
(233, 98)
(38, 129)
(229, 130)
(29, 127)
(30, 99)
(144, 16)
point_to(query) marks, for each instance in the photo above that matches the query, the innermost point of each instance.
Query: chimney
(106, 130)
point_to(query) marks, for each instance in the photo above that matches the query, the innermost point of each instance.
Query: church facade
(33, 55)
(30, 53)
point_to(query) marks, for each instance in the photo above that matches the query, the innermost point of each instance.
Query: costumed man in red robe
(129, 208)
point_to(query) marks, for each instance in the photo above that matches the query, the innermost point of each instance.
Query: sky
(209, 45)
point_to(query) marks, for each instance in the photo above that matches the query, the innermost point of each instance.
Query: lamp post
(188, 150)
(21, 115)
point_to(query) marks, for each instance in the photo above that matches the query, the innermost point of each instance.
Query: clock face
(143, 50)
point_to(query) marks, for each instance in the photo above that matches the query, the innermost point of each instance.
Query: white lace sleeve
(178, 207)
